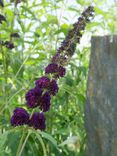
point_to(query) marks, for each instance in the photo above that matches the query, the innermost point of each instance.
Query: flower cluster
(46, 86)
(37, 121)
(55, 69)
(19, 117)
(8, 44)
(67, 48)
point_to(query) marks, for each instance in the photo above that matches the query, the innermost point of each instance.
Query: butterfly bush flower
(46, 86)
(61, 71)
(45, 102)
(20, 117)
(9, 45)
(43, 82)
(37, 121)
(53, 88)
(51, 68)
(55, 69)
(33, 97)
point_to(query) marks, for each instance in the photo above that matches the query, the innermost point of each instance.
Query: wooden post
(101, 105)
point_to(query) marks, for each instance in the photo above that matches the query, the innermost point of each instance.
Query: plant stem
(22, 147)
(5, 68)
(20, 143)
(43, 146)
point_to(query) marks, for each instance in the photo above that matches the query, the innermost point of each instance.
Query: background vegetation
(42, 25)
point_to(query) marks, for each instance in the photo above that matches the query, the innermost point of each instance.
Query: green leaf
(82, 2)
(51, 19)
(100, 11)
(3, 138)
(21, 25)
(81, 98)
(49, 137)
(29, 11)
(73, 9)
(64, 29)
(70, 140)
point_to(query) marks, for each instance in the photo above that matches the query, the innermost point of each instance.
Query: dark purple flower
(53, 88)
(65, 44)
(9, 45)
(59, 58)
(42, 82)
(33, 96)
(51, 68)
(61, 71)
(50, 86)
(37, 121)
(16, 35)
(20, 117)
(56, 58)
(45, 102)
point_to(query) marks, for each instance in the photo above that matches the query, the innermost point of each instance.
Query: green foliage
(42, 25)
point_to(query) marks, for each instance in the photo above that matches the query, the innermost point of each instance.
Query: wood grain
(101, 105)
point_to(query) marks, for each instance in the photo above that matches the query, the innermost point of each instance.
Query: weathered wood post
(101, 105)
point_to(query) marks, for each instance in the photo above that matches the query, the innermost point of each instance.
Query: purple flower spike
(42, 82)
(20, 117)
(45, 102)
(53, 88)
(40, 96)
(51, 68)
(33, 96)
(37, 121)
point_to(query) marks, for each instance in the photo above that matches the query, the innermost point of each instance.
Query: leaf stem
(28, 134)
(42, 144)
(22, 143)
